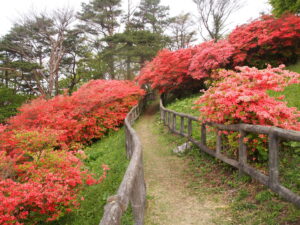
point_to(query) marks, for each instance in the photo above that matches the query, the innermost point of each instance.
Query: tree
(134, 47)
(9, 103)
(285, 6)
(39, 40)
(152, 16)
(183, 35)
(213, 15)
(100, 18)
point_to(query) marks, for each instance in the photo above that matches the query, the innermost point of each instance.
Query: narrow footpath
(169, 199)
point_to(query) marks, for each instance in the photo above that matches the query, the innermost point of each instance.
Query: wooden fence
(132, 189)
(275, 136)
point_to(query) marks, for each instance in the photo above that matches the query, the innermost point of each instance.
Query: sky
(12, 10)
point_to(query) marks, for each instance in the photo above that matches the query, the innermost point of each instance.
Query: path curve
(170, 201)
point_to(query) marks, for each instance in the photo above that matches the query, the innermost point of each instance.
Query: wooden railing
(275, 135)
(132, 189)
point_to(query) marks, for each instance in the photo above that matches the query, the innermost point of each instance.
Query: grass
(111, 151)
(185, 105)
(295, 67)
(249, 202)
(291, 92)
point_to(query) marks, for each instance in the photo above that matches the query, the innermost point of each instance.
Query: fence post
(169, 120)
(189, 128)
(273, 159)
(203, 134)
(138, 197)
(129, 144)
(242, 151)
(219, 142)
(181, 125)
(174, 122)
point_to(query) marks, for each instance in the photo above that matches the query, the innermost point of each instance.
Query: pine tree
(151, 16)
(101, 19)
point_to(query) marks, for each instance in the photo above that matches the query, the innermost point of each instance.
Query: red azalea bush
(42, 188)
(268, 40)
(210, 56)
(88, 114)
(41, 173)
(169, 71)
(183, 69)
(241, 97)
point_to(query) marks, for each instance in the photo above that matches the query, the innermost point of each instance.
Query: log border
(275, 135)
(132, 188)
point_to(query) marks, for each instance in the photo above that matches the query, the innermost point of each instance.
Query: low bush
(168, 71)
(41, 173)
(241, 97)
(267, 40)
(86, 115)
(210, 56)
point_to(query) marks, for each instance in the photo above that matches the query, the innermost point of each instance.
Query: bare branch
(213, 15)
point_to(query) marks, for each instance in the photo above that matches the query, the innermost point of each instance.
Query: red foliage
(241, 97)
(40, 189)
(182, 69)
(169, 71)
(210, 56)
(88, 114)
(40, 173)
(268, 40)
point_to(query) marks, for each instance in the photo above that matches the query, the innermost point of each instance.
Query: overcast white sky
(11, 10)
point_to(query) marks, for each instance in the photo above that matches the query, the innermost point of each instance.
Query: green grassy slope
(111, 151)
(292, 92)
(292, 97)
(185, 105)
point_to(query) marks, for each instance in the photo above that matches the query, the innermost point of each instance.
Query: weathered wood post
(242, 151)
(189, 128)
(203, 134)
(162, 115)
(138, 197)
(273, 159)
(219, 142)
(127, 137)
(174, 122)
(182, 125)
(169, 119)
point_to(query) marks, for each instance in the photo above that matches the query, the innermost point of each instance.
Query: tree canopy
(280, 7)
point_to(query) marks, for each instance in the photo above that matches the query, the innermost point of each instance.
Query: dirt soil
(170, 200)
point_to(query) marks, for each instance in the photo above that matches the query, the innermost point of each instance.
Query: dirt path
(170, 201)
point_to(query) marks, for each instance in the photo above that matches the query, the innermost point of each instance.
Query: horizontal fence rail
(132, 188)
(275, 135)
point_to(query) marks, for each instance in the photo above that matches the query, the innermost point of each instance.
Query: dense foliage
(285, 6)
(9, 103)
(210, 56)
(267, 40)
(241, 97)
(264, 41)
(86, 115)
(169, 71)
(40, 169)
